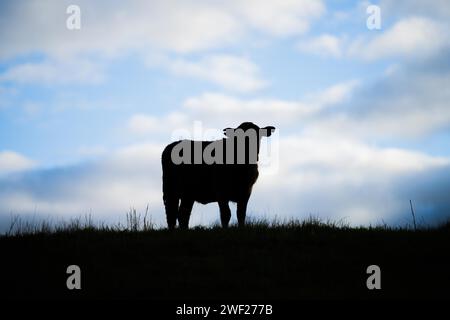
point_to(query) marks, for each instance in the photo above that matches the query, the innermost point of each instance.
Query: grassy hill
(303, 260)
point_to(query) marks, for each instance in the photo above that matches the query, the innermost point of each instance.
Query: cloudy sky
(363, 116)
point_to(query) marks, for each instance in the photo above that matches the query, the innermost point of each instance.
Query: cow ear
(227, 131)
(267, 131)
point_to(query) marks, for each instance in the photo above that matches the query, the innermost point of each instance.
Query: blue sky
(362, 115)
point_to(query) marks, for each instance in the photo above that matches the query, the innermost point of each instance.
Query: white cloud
(325, 45)
(142, 124)
(231, 72)
(336, 177)
(145, 27)
(334, 94)
(185, 26)
(408, 102)
(378, 126)
(220, 108)
(351, 159)
(436, 9)
(54, 72)
(279, 18)
(216, 110)
(409, 37)
(12, 162)
(180, 26)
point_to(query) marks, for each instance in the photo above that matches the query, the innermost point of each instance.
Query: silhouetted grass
(135, 222)
(267, 259)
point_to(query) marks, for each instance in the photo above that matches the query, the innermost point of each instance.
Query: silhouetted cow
(212, 171)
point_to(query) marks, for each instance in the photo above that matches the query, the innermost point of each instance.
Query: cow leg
(171, 205)
(225, 213)
(241, 211)
(184, 213)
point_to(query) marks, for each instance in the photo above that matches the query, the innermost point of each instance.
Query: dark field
(308, 260)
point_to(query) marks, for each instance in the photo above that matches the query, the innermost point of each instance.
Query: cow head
(247, 138)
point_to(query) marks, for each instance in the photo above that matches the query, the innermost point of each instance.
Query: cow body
(197, 181)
